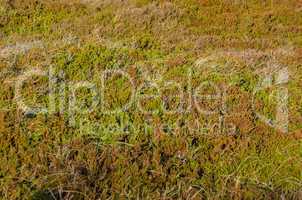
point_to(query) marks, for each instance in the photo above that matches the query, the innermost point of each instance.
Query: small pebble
(30, 114)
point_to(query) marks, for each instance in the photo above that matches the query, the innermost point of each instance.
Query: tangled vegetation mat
(150, 99)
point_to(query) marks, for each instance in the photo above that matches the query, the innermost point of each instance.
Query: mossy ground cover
(84, 61)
